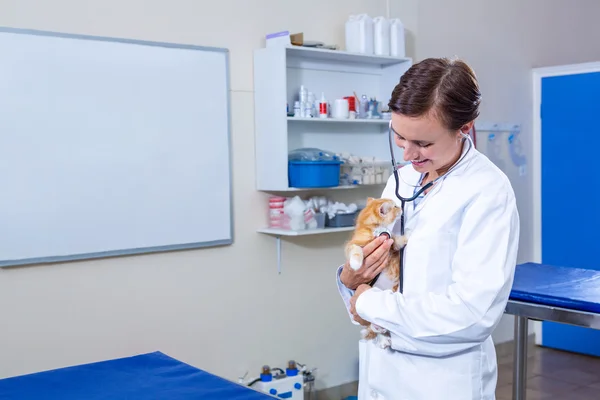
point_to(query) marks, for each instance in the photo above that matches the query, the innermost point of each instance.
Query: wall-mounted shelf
(311, 53)
(304, 232)
(341, 187)
(339, 121)
(278, 74)
(278, 233)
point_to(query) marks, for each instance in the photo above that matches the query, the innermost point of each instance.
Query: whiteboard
(111, 147)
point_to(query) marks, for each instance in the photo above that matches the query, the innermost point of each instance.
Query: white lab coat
(459, 267)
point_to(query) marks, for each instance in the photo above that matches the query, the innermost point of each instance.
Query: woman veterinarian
(459, 262)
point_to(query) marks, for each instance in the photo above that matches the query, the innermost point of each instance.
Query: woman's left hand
(359, 290)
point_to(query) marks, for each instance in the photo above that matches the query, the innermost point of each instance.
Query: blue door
(570, 189)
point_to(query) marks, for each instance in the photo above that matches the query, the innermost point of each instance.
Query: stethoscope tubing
(404, 200)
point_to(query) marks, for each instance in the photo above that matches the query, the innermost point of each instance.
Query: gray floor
(553, 375)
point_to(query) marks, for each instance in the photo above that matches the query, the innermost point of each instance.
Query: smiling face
(427, 144)
(433, 106)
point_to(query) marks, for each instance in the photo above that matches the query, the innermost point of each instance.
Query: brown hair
(447, 88)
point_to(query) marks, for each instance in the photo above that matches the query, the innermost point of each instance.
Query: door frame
(538, 74)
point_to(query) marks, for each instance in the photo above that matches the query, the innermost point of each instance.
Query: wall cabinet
(279, 73)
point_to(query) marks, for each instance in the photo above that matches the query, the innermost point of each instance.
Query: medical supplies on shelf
(290, 214)
(357, 170)
(318, 168)
(306, 105)
(379, 36)
(317, 212)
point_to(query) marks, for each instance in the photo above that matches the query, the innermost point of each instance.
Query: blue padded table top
(571, 288)
(147, 376)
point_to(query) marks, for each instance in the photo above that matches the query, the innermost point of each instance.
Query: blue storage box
(314, 174)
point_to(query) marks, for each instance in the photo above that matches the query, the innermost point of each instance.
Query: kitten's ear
(384, 208)
(370, 199)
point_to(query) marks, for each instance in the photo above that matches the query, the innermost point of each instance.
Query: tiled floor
(553, 375)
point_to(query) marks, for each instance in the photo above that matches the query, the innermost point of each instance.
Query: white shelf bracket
(278, 244)
(279, 233)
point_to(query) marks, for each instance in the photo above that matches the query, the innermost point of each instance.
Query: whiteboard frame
(142, 250)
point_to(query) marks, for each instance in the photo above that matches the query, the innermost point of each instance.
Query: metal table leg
(520, 358)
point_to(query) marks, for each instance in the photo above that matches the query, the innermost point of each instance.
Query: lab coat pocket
(403, 376)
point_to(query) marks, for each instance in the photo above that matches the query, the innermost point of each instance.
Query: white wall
(503, 41)
(224, 310)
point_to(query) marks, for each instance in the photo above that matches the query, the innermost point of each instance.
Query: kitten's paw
(356, 257)
(364, 332)
(400, 242)
(384, 342)
(368, 334)
(378, 329)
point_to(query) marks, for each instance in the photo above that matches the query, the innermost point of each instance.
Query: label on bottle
(323, 108)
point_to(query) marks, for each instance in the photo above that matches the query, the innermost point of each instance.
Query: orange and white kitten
(379, 216)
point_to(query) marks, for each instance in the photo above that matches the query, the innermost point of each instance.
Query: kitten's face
(380, 212)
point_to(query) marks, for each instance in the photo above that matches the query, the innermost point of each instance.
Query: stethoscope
(404, 200)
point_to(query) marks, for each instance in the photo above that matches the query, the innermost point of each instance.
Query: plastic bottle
(381, 36)
(352, 34)
(312, 103)
(303, 97)
(323, 112)
(397, 39)
(365, 35)
(363, 106)
(307, 110)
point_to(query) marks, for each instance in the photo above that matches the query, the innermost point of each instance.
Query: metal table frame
(524, 312)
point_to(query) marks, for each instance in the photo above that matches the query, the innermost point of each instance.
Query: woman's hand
(376, 255)
(359, 290)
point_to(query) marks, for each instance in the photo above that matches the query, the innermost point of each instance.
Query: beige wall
(503, 41)
(225, 310)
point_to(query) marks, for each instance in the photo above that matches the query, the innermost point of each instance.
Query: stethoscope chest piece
(382, 231)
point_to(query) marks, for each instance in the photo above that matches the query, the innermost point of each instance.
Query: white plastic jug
(397, 39)
(365, 34)
(352, 34)
(381, 36)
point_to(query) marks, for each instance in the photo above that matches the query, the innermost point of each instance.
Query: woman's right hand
(376, 255)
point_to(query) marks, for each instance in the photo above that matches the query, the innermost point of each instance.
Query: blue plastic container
(314, 174)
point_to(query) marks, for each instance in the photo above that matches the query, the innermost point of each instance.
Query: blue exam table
(550, 293)
(540, 292)
(142, 377)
